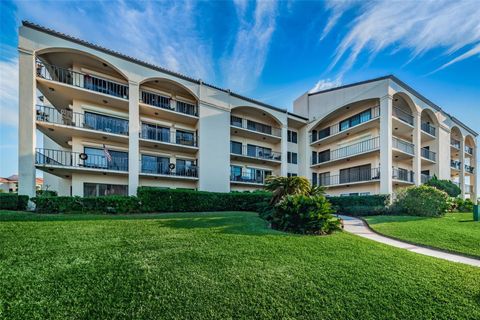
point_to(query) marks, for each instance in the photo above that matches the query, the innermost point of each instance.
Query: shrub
(305, 214)
(460, 205)
(445, 185)
(46, 193)
(107, 204)
(360, 205)
(421, 201)
(175, 200)
(12, 201)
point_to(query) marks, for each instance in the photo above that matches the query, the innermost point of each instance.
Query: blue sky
(271, 51)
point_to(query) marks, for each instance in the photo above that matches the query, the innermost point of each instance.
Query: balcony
(469, 169)
(152, 135)
(166, 103)
(455, 164)
(469, 150)
(403, 146)
(403, 175)
(346, 152)
(350, 125)
(82, 80)
(402, 115)
(424, 178)
(62, 162)
(469, 189)
(428, 155)
(255, 152)
(455, 143)
(247, 178)
(358, 176)
(256, 130)
(164, 169)
(429, 129)
(58, 125)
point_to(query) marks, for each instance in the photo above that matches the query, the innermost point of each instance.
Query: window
(185, 167)
(323, 156)
(235, 147)
(314, 135)
(291, 136)
(105, 123)
(97, 159)
(99, 189)
(355, 174)
(356, 120)
(259, 127)
(324, 179)
(235, 173)
(236, 121)
(154, 132)
(258, 152)
(291, 174)
(323, 133)
(364, 193)
(314, 157)
(292, 157)
(155, 165)
(314, 179)
(185, 138)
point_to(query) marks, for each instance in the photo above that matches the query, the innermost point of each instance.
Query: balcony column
(26, 123)
(133, 138)
(462, 166)
(386, 145)
(284, 150)
(417, 141)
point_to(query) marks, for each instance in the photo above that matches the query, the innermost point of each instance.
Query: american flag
(107, 154)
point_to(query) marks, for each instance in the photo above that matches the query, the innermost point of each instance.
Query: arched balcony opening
(470, 160)
(169, 95)
(403, 108)
(456, 139)
(429, 124)
(351, 118)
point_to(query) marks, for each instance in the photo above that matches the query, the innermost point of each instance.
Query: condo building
(112, 123)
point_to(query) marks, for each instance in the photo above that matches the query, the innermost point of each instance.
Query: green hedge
(12, 201)
(422, 201)
(177, 200)
(360, 205)
(107, 204)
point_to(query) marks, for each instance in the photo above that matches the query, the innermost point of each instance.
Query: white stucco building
(112, 123)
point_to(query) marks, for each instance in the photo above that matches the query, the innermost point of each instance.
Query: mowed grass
(216, 266)
(455, 231)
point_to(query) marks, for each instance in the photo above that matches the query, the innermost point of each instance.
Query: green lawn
(455, 231)
(216, 266)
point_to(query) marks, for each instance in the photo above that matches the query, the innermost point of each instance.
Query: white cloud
(325, 84)
(9, 92)
(337, 9)
(244, 65)
(418, 26)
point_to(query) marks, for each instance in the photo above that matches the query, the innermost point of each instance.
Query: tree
(282, 186)
(445, 185)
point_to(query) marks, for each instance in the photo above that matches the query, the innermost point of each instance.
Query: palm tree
(282, 186)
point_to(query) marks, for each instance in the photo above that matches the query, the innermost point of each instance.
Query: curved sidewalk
(360, 228)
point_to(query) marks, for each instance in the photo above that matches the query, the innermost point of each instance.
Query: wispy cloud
(9, 93)
(325, 84)
(244, 65)
(336, 9)
(417, 26)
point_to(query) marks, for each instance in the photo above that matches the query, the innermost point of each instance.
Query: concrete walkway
(360, 228)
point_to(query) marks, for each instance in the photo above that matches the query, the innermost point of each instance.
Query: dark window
(324, 156)
(99, 189)
(235, 173)
(356, 120)
(98, 159)
(314, 157)
(105, 123)
(236, 121)
(155, 165)
(185, 138)
(235, 147)
(259, 127)
(292, 136)
(153, 132)
(314, 135)
(324, 179)
(314, 178)
(185, 167)
(291, 174)
(292, 157)
(355, 174)
(323, 133)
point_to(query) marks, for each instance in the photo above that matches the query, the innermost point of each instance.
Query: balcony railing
(79, 160)
(82, 120)
(403, 145)
(455, 143)
(159, 101)
(255, 126)
(426, 127)
(348, 151)
(336, 128)
(469, 169)
(362, 175)
(256, 152)
(157, 133)
(402, 115)
(424, 178)
(160, 168)
(469, 150)
(81, 80)
(455, 164)
(247, 177)
(403, 175)
(427, 154)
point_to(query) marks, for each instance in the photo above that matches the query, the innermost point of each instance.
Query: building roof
(406, 86)
(147, 64)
